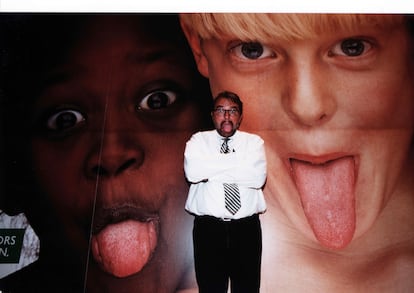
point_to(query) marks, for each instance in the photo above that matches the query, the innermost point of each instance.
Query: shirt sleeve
(200, 162)
(246, 167)
(249, 167)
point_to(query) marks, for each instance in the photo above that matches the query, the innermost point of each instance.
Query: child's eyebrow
(59, 76)
(149, 56)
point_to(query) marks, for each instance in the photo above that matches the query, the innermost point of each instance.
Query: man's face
(226, 117)
(336, 112)
(100, 154)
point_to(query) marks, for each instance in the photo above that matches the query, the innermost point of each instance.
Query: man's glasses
(222, 112)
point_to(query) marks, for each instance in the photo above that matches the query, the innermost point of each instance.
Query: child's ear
(195, 44)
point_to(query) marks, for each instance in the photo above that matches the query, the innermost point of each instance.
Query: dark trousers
(226, 250)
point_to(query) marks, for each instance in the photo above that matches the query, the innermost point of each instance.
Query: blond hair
(266, 26)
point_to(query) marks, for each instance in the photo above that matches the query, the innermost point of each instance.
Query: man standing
(227, 170)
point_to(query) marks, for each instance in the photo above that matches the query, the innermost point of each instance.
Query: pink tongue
(124, 248)
(327, 195)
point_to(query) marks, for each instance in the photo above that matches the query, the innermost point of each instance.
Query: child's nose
(113, 156)
(308, 99)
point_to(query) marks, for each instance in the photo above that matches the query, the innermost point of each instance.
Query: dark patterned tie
(231, 191)
(224, 146)
(232, 197)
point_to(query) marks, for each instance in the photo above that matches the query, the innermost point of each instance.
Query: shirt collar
(222, 137)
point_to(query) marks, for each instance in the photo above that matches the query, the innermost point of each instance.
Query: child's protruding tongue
(124, 248)
(327, 195)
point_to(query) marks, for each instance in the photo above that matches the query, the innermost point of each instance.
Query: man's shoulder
(205, 133)
(200, 137)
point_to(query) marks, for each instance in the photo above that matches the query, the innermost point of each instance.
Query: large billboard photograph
(206, 152)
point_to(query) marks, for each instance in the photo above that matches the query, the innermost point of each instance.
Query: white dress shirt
(207, 169)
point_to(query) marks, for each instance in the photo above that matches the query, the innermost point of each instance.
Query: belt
(227, 219)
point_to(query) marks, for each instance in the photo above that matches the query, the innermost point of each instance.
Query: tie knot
(224, 146)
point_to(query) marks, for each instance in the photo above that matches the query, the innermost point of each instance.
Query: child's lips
(119, 213)
(326, 187)
(125, 243)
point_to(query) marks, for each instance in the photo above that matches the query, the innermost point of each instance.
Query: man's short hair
(232, 97)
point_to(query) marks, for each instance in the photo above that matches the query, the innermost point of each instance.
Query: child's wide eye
(252, 50)
(351, 47)
(64, 120)
(157, 100)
